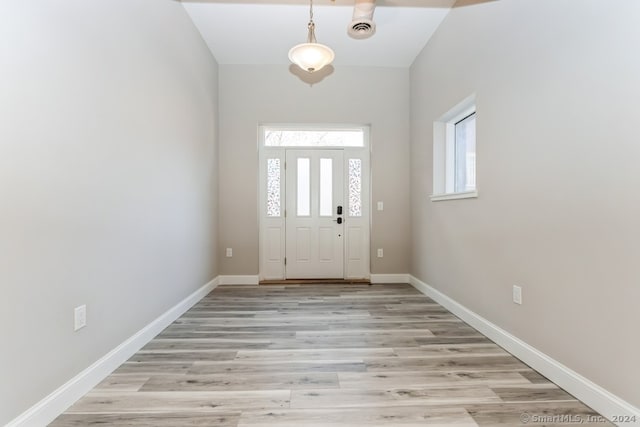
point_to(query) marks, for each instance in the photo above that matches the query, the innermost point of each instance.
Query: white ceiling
(262, 32)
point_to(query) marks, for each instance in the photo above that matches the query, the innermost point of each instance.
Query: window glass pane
(273, 187)
(304, 185)
(465, 154)
(314, 138)
(355, 187)
(326, 187)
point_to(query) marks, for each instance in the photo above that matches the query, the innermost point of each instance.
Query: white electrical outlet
(79, 317)
(517, 294)
(380, 206)
(380, 253)
(229, 252)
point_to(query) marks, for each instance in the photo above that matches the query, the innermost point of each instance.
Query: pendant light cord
(312, 27)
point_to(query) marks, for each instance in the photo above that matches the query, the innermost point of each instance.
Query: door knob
(339, 220)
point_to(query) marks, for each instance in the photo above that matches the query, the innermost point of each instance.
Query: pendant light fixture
(311, 56)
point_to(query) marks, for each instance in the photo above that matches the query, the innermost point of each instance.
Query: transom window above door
(309, 136)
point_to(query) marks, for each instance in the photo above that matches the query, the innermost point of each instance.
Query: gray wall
(250, 95)
(558, 95)
(108, 180)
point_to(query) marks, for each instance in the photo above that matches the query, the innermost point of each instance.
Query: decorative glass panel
(355, 187)
(326, 187)
(273, 187)
(314, 138)
(304, 187)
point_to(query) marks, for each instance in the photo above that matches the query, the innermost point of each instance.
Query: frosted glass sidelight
(304, 187)
(326, 187)
(355, 187)
(273, 187)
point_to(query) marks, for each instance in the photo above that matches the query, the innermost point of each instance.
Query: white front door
(315, 214)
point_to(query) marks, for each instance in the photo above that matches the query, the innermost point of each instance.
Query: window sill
(454, 196)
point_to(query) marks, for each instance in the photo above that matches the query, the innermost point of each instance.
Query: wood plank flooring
(333, 355)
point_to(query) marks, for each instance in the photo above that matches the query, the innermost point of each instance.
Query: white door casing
(280, 236)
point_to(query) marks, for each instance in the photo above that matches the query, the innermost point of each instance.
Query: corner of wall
(45, 411)
(601, 400)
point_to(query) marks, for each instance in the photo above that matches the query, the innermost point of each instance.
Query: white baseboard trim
(390, 278)
(49, 408)
(239, 280)
(594, 396)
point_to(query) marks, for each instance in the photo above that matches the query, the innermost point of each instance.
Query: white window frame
(444, 152)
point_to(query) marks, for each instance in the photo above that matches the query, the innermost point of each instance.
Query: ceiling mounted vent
(362, 25)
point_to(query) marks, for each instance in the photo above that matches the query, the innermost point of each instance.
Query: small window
(313, 137)
(454, 153)
(304, 187)
(273, 187)
(326, 187)
(355, 187)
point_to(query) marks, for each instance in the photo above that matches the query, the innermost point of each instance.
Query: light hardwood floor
(324, 355)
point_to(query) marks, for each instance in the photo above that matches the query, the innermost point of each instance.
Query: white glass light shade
(311, 56)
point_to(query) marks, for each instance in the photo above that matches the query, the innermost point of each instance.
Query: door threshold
(316, 282)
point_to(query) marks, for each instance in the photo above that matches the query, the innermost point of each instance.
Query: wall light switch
(229, 252)
(380, 206)
(517, 294)
(79, 317)
(380, 253)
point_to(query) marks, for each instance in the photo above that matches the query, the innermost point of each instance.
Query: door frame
(272, 237)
